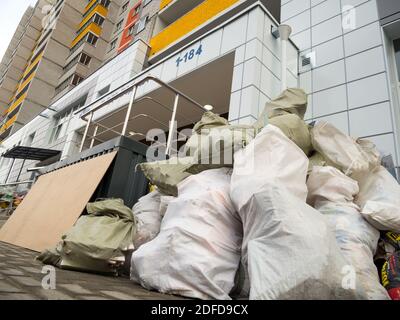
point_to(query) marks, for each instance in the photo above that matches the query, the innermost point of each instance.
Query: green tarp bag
(104, 234)
(290, 101)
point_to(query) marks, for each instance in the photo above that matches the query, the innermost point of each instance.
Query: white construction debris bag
(379, 200)
(289, 251)
(197, 251)
(270, 158)
(164, 202)
(148, 215)
(341, 150)
(332, 194)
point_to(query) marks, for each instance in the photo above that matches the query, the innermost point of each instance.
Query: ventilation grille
(306, 62)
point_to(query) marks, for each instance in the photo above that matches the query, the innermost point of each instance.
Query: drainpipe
(284, 34)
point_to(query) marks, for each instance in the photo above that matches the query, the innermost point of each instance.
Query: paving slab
(21, 279)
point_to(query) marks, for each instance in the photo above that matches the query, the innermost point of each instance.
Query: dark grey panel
(388, 10)
(122, 180)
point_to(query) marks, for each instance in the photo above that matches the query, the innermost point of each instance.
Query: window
(92, 39)
(98, 19)
(76, 80)
(103, 91)
(130, 30)
(125, 7)
(113, 44)
(142, 24)
(85, 59)
(119, 25)
(105, 3)
(62, 120)
(30, 139)
(397, 55)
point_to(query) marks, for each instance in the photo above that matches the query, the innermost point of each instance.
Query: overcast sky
(11, 12)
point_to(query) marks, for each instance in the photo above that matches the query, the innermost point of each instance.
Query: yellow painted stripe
(164, 3)
(33, 64)
(8, 124)
(190, 21)
(94, 28)
(16, 103)
(25, 83)
(89, 5)
(99, 9)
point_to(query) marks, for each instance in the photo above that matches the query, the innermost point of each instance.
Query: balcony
(93, 28)
(187, 23)
(176, 9)
(99, 9)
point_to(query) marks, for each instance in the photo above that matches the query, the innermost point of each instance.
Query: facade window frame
(125, 7)
(142, 23)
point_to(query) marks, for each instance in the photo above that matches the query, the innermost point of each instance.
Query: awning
(28, 153)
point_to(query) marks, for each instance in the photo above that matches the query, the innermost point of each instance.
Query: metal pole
(129, 111)
(20, 170)
(9, 171)
(172, 125)
(284, 65)
(94, 136)
(86, 131)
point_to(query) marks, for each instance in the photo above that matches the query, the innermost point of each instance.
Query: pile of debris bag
(277, 210)
(10, 199)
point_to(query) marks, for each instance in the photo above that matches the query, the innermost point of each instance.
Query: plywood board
(54, 204)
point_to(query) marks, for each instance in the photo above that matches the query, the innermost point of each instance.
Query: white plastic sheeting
(197, 251)
(332, 194)
(379, 200)
(287, 247)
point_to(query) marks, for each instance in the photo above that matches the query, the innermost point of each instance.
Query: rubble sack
(97, 238)
(332, 194)
(379, 200)
(340, 150)
(148, 215)
(288, 248)
(197, 252)
(211, 146)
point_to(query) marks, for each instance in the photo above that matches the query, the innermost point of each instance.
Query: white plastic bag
(292, 253)
(197, 251)
(270, 158)
(147, 212)
(288, 249)
(165, 200)
(379, 200)
(341, 150)
(332, 194)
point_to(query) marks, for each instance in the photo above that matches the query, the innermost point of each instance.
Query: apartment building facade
(226, 54)
(66, 41)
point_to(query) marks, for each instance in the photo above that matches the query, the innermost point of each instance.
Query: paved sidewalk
(21, 278)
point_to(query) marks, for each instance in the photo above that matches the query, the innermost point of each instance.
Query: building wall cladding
(348, 84)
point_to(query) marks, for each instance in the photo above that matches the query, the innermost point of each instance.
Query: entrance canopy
(28, 153)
